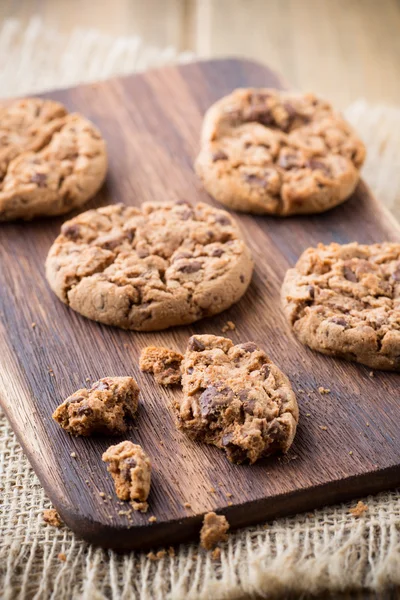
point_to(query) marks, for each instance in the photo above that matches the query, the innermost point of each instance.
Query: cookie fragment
(268, 151)
(236, 398)
(51, 517)
(165, 364)
(50, 161)
(130, 468)
(344, 301)
(213, 531)
(104, 408)
(163, 265)
(359, 509)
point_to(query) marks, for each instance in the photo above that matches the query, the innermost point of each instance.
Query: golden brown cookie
(236, 398)
(104, 408)
(50, 161)
(163, 265)
(214, 530)
(344, 300)
(270, 152)
(165, 364)
(130, 468)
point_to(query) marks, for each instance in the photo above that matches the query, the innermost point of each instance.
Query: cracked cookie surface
(165, 364)
(130, 468)
(163, 265)
(270, 152)
(50, 161)
(104, 408)
(344, 301)
(236, 398)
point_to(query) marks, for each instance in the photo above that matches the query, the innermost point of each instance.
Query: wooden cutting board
(151, 123)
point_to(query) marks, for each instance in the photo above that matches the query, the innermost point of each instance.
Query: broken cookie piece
(104, 408)
(236, 398)
(165, 364)
(213, 531)
(130, 468)
(51, 517)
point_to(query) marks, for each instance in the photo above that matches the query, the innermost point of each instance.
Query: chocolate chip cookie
(130, 468)
(50, 161)
(270, 152)
(146, 269)
(344, 301)
(104, 408)
(236, 398)
(165, 364)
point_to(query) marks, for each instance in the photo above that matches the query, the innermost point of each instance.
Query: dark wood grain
(151, 123)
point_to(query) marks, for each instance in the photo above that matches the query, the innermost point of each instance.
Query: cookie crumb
(171, 552)
(308, 414)
(62, 556)
(102, 494)
(213, 530)
(73, 455)
(163, 363)
(351, 452)
(160, 554)
(212, 490)
(359, 509)
(33, 325)
(230, 503)
(229, 326)
(367, 424)
(51, 517)
(152, 519)
(216, 554)
(187, 505)
(323, 390)
(87, 379)
(229, 495)
(371, 374)
(140, 506)
(323, 427)
(130, 468)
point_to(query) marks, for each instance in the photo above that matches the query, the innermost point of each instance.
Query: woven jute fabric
(325, 550)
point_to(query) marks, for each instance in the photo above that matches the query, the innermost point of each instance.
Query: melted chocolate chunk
(195, 344)
(349, 274)
(40, 179)
(248, 347)
(192, 267)
(219, 155)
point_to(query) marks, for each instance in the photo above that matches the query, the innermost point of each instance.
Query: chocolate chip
(241, 278)
(227, 439)
(349, 274)
(100, 386)
(265, 371)
(311, 291)
(40, 179)
(217, 252)
(315, 164)
(182, 255)
(190, 370)
(254, 179)
(248, 346)
(180, 202)
(130, 462)
(192, 267)
(213, 399)
(195, 344)
(222, 220)
(75, 399)
(84, 410)
(186, 215)
(290, 109)
(125, 470)
(142, 253)
(339, 321)
(70, 231)
(249, 406)
(396, 274)
(219, 155)
(289, 161)
(243, 394)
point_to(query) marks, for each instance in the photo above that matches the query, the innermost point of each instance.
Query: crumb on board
(62, 556)
(163, 363)
(73, 455)
(367, 424)
(51, 517)
(359, 509)
(323, 427)
(230, 503)
(371, 374)
(187, 505)
(213, 530)
(87, 379)
(216, 554)
(351, 452)
(140, 506)
(228, 494)
(152, 519)
(33, 325)
(102, 494)
(308, 414)
(229, 326)
(212, 490)
(323, 390)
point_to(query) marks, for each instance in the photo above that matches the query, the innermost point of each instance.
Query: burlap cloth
(326, 550)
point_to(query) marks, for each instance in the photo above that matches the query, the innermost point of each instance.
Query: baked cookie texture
(265, 151)
(104, 408)
(344, 301)
(151, 268)
(235, 398)
(50, 161)
(213, 531)
(163, 363)
(130, 468)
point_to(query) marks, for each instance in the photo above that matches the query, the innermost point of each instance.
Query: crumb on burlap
(229, 326)
(171, 552)
(216, 554)
(163, 363)
(152, 519)
(158, 556)
(213, 530)
(323, 390)
(359, 509)
(62, 556)
(51, 517)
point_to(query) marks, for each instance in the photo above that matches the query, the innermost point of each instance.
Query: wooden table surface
(342, 49)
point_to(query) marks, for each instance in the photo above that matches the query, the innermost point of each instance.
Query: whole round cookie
(50, 161)
(344, 300)
(236, 398)
(270, 152)
(163, 265)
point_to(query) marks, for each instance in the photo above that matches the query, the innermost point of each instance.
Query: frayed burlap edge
(326, 550)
